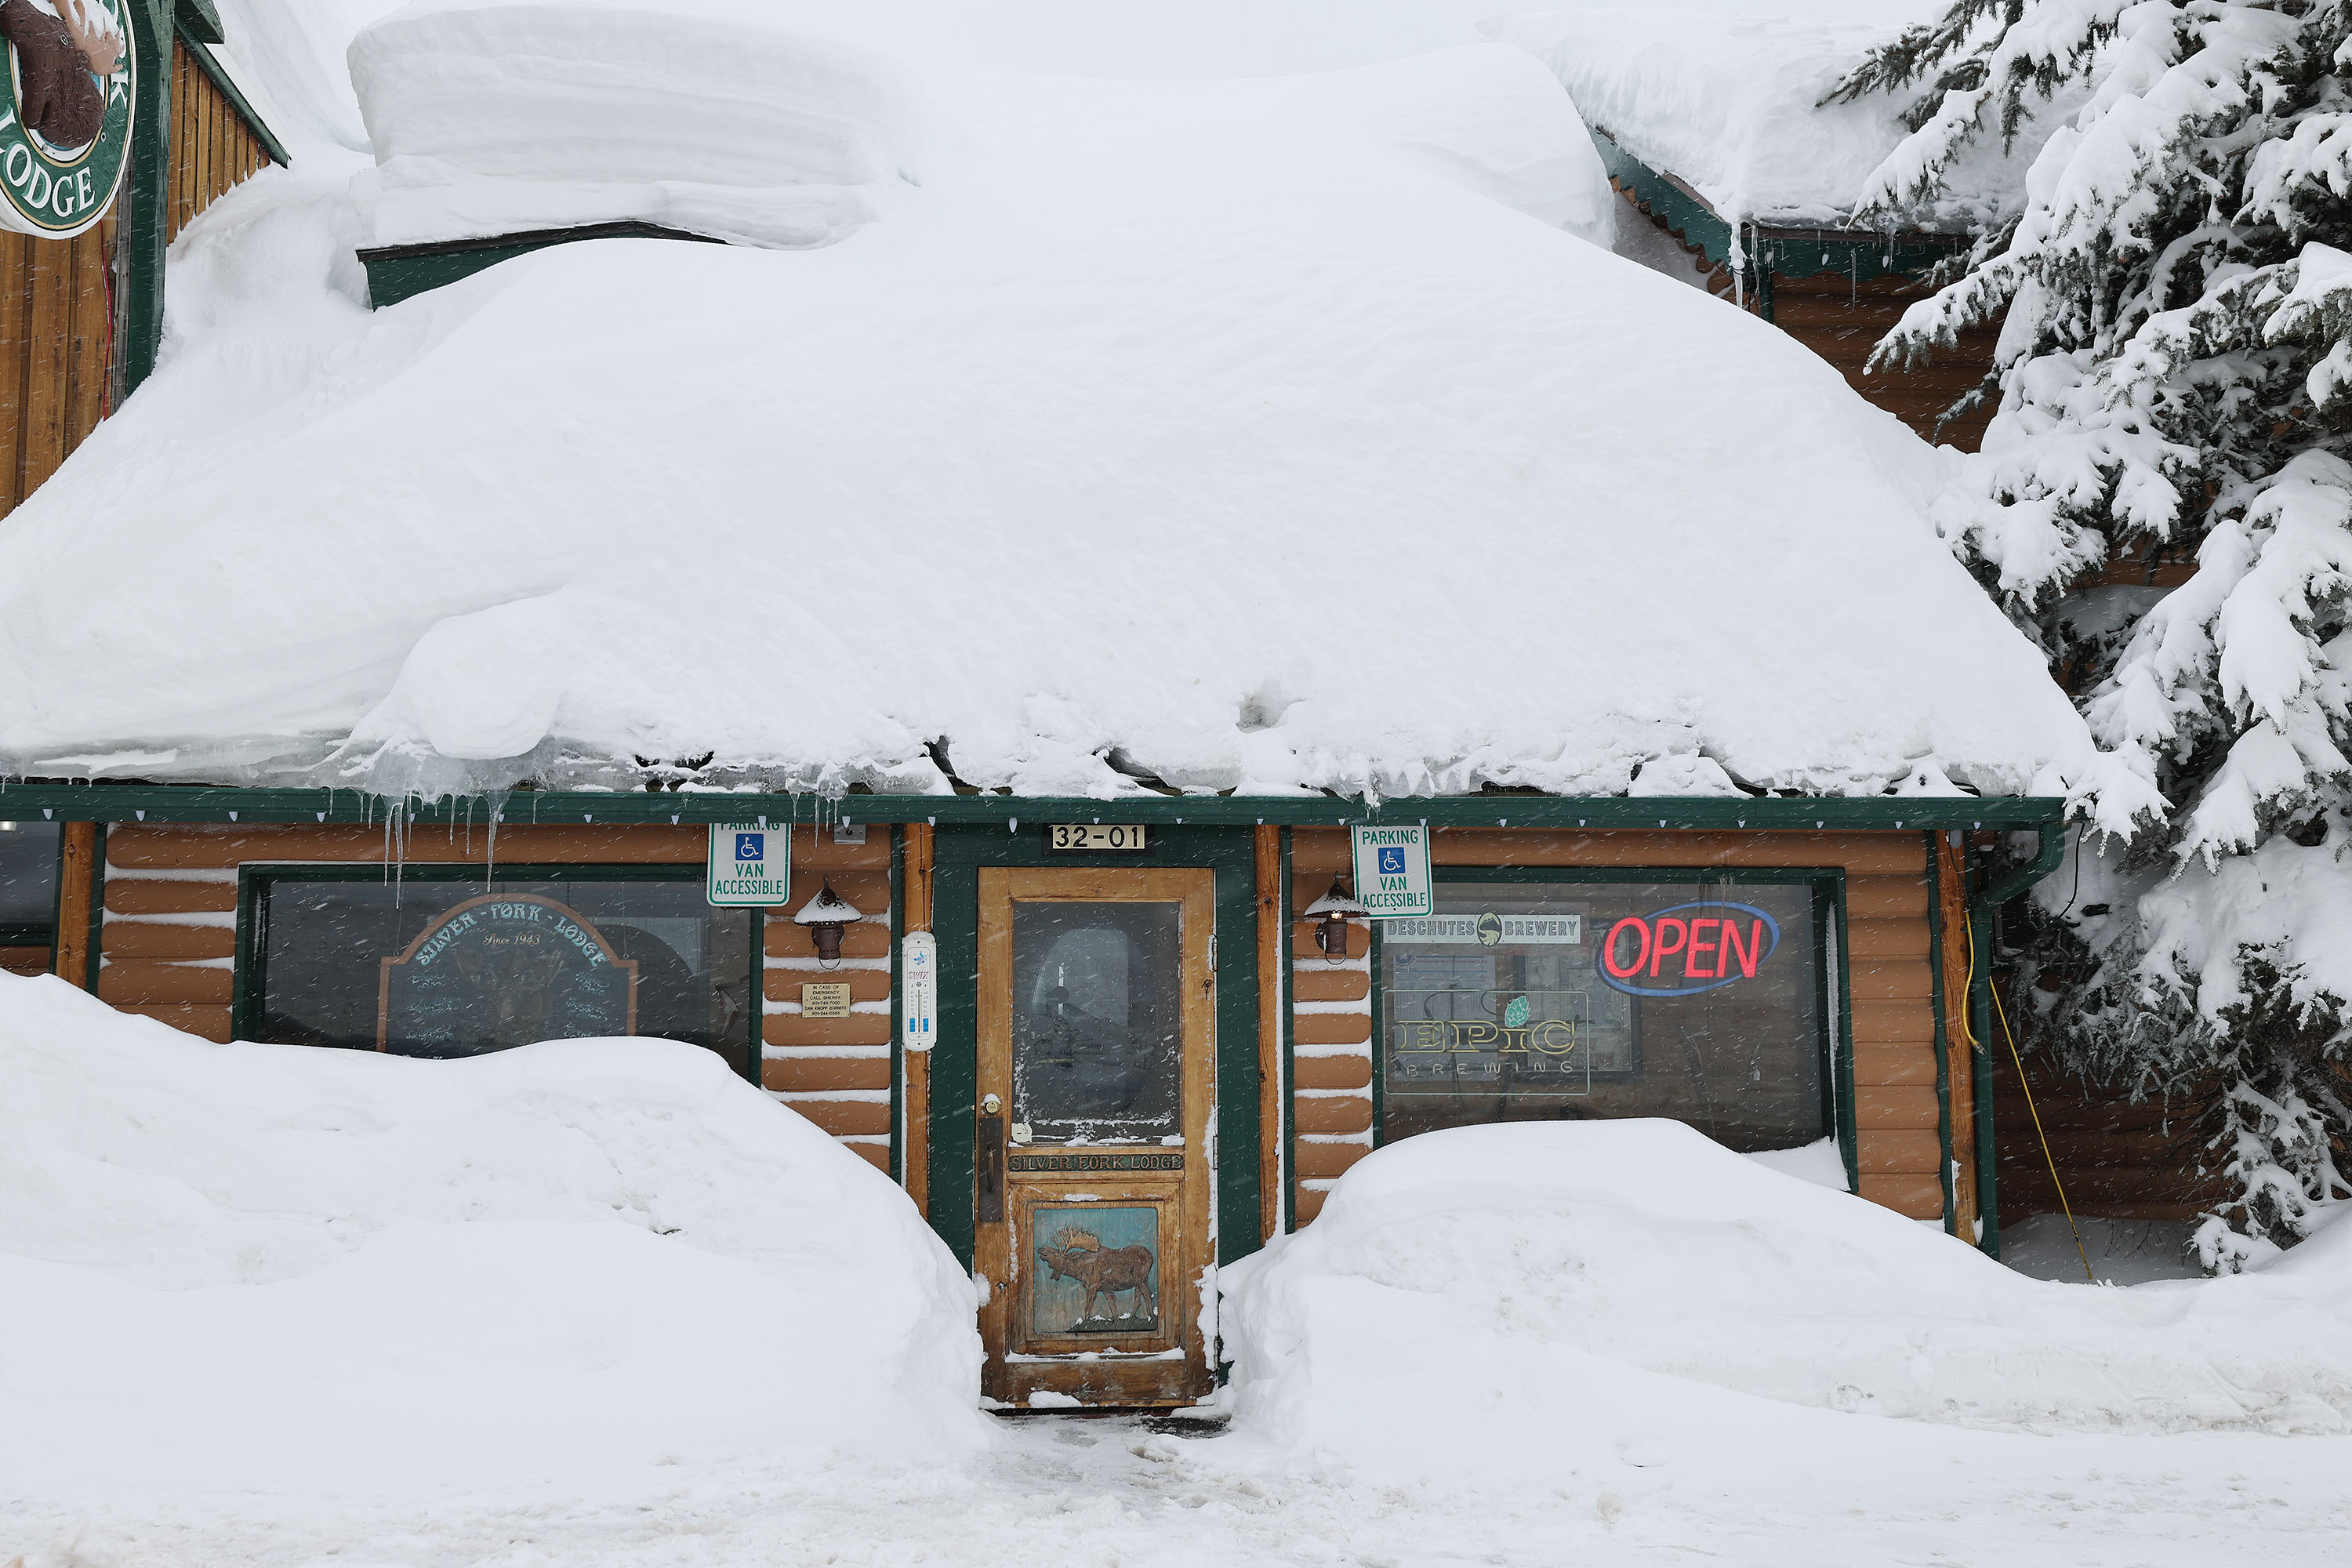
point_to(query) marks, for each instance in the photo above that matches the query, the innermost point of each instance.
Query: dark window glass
(1530, 1001)
(28, 881)
(434, 968)
(1097, 1045)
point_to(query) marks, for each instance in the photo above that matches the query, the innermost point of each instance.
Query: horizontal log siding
(1842, 321)
(835, 1071)
(2117, 1160)
(24, 960)
(1900, 1148)
(170, 913)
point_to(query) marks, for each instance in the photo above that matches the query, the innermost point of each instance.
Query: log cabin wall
(835, 1071)
(57, 332)
(213, 149)
(57, 301)
(2117, 1160)
(168, 945)
(1841, 319)
(1891, 971)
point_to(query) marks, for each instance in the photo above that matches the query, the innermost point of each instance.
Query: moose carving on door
(1095, 1091)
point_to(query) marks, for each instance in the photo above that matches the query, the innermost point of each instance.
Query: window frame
(250, 982)
(1832, 983)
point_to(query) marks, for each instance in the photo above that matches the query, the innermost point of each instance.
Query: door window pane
(1526, 1001)
(1096, 1025)
(432, 968)
(28, 877)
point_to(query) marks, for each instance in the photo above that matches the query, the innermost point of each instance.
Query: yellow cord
(2016, 1056)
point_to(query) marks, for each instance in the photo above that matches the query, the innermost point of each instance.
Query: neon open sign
(1716, 948)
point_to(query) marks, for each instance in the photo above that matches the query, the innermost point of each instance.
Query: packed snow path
(1081, 1492)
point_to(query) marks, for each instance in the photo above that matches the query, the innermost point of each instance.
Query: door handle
(988, 1159)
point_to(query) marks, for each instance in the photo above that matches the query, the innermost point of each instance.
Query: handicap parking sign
(748, 864)
(1392, 867)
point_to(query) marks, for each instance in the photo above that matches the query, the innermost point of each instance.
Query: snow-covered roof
(1274, 435)
(1725, 95)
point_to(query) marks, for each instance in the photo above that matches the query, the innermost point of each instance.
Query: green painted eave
(188, 803)
(1792, 252)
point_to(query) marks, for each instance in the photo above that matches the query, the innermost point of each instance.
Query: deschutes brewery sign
(505, 969)
(65, 112)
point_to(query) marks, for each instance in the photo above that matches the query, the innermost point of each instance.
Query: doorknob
(988, 1159)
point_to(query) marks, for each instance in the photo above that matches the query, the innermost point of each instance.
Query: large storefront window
(432, 965)
(1554, 999)
(29, 894)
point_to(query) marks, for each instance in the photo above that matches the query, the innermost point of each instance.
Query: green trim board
(1831, 967)
(250, 974)
(898, 992)
(129, 802)
(398, 272)
(144, 207)
(958, 855)
(198, 19)
(1983, 909)
(1861, 255)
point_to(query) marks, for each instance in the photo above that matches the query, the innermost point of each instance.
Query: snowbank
(1267, 435)
(1727, 95)
(286, 1267)
(492, 117)
(1501, 1299)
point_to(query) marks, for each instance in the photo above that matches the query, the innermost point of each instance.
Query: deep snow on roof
(1269, 435)
(1726, 96)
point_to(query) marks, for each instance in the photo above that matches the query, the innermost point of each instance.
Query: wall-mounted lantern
(824, 915)
(1334, 910)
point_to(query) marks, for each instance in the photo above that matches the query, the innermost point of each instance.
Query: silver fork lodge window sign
(64, 116)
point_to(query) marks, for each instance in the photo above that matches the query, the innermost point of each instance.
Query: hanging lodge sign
(65, 112)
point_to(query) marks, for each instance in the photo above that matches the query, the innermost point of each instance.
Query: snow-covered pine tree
(2175, 377)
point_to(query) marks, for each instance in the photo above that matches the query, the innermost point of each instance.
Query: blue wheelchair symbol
(1391, 862)
(750, 846)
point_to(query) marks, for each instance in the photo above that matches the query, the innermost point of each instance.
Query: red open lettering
(1659, 951)
(1608, 948)
(1692, 968)
(1749, 952)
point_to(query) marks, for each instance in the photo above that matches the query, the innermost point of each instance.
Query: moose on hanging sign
(66, 101)
(1719, 944)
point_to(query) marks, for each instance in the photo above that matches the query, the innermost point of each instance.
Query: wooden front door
(1097, 1091)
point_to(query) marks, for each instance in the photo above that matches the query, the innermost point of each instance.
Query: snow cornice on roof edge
(185, 803)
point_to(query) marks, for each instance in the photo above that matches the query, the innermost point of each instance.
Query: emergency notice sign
(1393, 872)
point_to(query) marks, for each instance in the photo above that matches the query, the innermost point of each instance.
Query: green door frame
(958, 855)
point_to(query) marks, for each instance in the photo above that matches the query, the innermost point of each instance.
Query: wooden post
(1960, 1046)
(1273, 995)
(915, 1167)
(79, 893)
